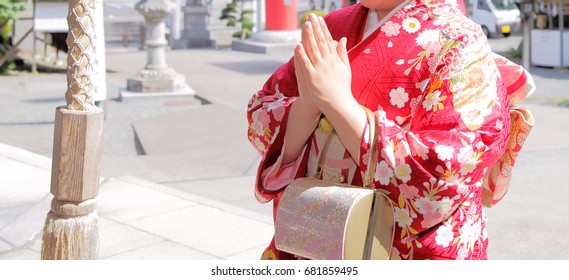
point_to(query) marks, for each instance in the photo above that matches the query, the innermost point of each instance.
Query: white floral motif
(465, 154)
(403, 150)
(429, 40)
(383, 173)
(470, 232)
(432, 100)
(260, 121)
(444, 152)
(468, 166)
(418, 148)
(411, 25)
(398, 97)
(444, 236)
(277, 104)
(446, 205)
(402, 217)
(391, 28)
(426, 205)
(462, 253)
(467, 160)
(409, 192)
(403, 172)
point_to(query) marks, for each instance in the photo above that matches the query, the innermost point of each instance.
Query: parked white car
(496, 17)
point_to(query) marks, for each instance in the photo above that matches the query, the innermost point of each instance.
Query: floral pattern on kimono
(429, 76)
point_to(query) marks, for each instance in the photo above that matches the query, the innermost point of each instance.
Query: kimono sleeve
(267, 114)
(435, 164)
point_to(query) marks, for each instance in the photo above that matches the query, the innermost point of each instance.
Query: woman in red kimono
(428, 73)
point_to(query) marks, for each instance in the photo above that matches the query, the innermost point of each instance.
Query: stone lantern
(156, 78)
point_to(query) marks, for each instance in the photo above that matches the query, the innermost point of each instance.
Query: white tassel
(72, 237)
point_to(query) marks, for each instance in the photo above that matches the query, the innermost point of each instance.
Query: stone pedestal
(281, 34)
(157, 81)
(269, 42)
(202, 28)
(195, 33)
(156, 78)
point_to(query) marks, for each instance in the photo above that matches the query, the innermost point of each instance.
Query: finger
(319, 35)
(304, 34)
(297, 60)
(343, 51)
(327, 36)
(303, 60)
(299, 73)
(310, 47)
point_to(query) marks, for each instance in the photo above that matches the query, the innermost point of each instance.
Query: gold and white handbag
(326, 220)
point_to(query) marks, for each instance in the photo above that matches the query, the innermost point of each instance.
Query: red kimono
(429, 74)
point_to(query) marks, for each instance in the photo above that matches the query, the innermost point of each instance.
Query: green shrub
(9, 10)
(235, 15)
(305, 15)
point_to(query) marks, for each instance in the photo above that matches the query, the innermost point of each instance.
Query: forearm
(349, 121)
(302, 120)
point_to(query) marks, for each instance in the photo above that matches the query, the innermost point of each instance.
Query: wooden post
(75, 163)
(71, 228)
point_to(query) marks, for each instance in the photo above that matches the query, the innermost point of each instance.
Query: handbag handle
(372, 152)
(373, 149)
(378, 193)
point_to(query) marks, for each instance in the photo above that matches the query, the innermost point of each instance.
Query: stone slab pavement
(138, 219)
(172, 190)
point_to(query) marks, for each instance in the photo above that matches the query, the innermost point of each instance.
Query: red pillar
(281, 17)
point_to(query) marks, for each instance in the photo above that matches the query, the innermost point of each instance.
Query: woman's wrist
(302, 120)
(307, 106)
(339, 107)
(349, 120)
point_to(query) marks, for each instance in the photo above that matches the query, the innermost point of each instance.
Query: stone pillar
(196, 20)
(176, 29)
(156, 78)
(202, 26)
(155, 13)
(260, 21)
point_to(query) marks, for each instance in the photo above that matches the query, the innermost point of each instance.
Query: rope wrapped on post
(80, 57)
